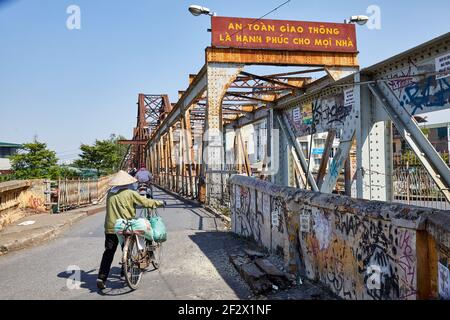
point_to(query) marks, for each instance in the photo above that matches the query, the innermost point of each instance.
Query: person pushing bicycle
(120, 204)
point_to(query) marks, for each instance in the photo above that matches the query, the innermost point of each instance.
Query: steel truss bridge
(193, 145)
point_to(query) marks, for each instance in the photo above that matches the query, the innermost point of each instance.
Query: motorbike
(145, 189)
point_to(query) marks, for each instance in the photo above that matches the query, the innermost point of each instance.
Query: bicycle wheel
(130, 261)
(157, 255)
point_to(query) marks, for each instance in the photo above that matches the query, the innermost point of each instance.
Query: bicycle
(138, 256)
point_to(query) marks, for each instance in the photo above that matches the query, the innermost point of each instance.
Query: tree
(104, 156)
(36, 162)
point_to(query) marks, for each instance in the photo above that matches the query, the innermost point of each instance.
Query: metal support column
(408, 128)
(219, 78)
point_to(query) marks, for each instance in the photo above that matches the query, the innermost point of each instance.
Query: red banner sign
(283, 35)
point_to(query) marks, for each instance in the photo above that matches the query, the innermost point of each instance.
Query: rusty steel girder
(152, 110)
(281, 57)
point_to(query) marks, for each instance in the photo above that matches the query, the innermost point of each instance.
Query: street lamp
(199, 10)
(361, 20)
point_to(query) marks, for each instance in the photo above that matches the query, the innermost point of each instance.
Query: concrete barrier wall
(21, 198)
(359, 249)
(15, 196)
(438, 238)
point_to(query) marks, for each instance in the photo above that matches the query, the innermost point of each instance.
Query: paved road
(195, 263)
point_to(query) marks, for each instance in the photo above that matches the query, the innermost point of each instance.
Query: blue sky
(71, 87)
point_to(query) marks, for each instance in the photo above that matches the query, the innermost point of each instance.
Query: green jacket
(121, 205)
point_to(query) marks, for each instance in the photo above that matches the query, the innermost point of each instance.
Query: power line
(263, 16)
(273, 10)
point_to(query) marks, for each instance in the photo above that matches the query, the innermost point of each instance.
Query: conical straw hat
(121, 178)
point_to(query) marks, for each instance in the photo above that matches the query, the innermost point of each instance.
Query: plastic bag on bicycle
(140, 226)
(159, 229)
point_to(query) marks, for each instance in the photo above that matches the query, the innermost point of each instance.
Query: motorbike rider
(145, 177)
(120, 204)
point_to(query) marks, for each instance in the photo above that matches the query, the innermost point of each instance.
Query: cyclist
(120, 204)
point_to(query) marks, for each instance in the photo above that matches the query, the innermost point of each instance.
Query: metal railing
(414, 186)
(68, 194)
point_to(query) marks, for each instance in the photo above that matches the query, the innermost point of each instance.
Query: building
(7, 150)
(317, 148)
(437, 128)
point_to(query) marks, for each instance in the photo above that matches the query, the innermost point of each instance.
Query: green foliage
(425, 131)
(38, 162)
(104, 156)
(67, 173)
(410, 158)
(7, 177)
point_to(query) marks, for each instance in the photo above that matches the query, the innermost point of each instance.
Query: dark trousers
(111, 242)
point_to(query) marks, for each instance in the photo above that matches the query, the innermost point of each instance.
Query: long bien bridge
(303, 160)
(289, 172)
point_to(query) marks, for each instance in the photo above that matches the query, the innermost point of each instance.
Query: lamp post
(197, 10)
(360, 20)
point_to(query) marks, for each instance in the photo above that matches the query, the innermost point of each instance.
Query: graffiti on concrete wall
(261, 217)
(359, 253)
(322, 228)
(355, 256)
(32, 200)
(277, 214)
(361, 245)
(248, 219)
(443, 281)
(342, 250)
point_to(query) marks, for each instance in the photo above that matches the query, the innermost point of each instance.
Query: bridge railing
(73, 193)
(181, 184)
(357, 248)
(19, 198)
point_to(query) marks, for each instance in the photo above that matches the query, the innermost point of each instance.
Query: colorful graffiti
(32, 200)
(320, 115)
(357, 256)
(365, 244)
(426, 94)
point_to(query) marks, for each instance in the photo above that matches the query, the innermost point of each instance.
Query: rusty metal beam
(133, 142)
(193, 92)
(281, 57)
(270, 80)
(285, 74)
(246, 97)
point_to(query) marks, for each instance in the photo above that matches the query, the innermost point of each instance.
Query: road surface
(195, 262)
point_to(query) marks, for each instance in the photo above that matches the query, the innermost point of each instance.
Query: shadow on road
(114, 287)
(217, 246)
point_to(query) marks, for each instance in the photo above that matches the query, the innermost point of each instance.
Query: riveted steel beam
(281, 57)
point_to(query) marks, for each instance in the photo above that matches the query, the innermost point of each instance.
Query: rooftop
(5, 164)
(10, 145)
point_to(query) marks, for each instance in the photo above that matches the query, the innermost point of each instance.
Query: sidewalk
(46, 227)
